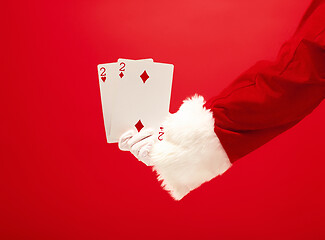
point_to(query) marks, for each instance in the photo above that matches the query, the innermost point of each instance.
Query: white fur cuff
(190, 152)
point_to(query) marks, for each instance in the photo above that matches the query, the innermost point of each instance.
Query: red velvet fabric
(271, 97)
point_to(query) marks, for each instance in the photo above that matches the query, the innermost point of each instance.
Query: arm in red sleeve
(271, 97)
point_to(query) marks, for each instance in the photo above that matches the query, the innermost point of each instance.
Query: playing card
(143, 96)
(108, 82)
(107, 74)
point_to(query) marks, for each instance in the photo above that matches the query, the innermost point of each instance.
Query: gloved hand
(138, 143)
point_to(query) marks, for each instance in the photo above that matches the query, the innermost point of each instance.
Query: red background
(59, 179)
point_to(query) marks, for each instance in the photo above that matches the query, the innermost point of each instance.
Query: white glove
(138, 143)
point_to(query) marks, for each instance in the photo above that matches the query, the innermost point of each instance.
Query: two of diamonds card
(135, 94)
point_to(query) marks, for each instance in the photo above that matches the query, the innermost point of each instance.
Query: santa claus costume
(203, 138)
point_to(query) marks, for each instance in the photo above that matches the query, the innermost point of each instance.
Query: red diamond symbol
(121, 75)
(139, 125)
(144, 76)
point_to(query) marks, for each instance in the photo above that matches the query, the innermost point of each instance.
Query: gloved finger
(140, 136)
(144, 154)
(137, 146)
(123, 140)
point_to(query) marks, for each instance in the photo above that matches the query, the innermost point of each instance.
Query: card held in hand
(108, 84)
(142, 96)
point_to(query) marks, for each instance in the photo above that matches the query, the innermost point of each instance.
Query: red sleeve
(271, 97)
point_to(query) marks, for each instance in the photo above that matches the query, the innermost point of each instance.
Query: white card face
(108, 81)
(155, 95)
(143, 96)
